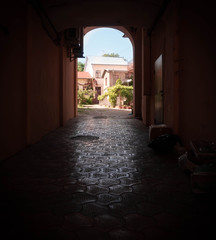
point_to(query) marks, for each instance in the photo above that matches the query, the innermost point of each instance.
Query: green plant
(127, 92)
(111, 55)
(80, 66)
(118, 90)
(85, 96)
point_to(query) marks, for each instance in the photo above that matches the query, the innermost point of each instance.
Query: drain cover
(84, 137)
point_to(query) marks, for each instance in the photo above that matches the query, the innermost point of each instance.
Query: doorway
(97, 93)
(159, 93)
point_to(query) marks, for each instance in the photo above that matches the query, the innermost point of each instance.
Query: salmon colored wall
(68, 87)
(43, 81)
(38, 86)
(198, 81)
(107, 76)
(163, 41)
(146, 78)
(186, 38)
(12, 78)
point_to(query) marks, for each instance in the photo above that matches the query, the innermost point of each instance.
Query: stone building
(106, 70)
(84, 80)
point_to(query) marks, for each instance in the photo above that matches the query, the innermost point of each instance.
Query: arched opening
(120, 28)
(120, 66)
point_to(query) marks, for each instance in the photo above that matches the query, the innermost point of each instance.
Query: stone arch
(129, 33)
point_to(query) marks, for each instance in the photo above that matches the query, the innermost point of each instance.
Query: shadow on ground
(96, 178)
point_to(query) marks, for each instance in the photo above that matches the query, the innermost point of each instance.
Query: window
(97, 73)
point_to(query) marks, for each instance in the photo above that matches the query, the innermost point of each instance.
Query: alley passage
(96, 178)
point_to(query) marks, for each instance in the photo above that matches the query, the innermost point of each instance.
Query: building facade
(106, 70)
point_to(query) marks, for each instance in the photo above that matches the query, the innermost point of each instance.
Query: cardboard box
(158, 130)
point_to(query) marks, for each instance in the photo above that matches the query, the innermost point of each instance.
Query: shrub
(85, 96)
(118, 90)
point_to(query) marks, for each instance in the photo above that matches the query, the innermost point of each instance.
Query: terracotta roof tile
(84, 75)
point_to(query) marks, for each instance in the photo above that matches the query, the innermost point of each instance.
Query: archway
(128, 42)
(120, 28)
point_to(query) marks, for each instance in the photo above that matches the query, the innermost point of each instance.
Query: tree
(118, 90)
(111, 55)
(80, 67)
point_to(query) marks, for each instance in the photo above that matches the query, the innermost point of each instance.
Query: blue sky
(106, 40)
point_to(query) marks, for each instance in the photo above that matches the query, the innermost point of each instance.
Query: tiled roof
(115, 70)
(112, 70)
(84, 75)
(107, 60)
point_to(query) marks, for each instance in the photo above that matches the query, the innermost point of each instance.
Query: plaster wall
(43, 81)
(81, 82)
(146, 78)
(185, 36)
(163, 42)
(100, 81)
(197, 85)
(113, 75)
(107, 76)
(12, 78)
(38, 82)
(110, 67)
(68, 88)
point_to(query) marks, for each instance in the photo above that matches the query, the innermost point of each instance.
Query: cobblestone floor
(96, 178)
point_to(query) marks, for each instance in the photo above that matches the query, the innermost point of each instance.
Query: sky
(106, 40)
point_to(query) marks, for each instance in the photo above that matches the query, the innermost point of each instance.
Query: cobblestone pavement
(96, 178)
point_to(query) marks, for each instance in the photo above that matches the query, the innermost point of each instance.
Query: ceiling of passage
(73, 13)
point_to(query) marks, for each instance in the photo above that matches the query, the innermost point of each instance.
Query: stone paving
(96, 178)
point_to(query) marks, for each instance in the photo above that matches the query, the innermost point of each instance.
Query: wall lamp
(73, 39)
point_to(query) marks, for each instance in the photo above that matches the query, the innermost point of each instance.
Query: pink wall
(12, 79)
(38, 86)
(43, 81)
(198, 82)
(163, 42)
(68, 88)
(186, 38)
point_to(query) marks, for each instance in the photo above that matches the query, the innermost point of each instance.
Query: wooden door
(98, 93)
